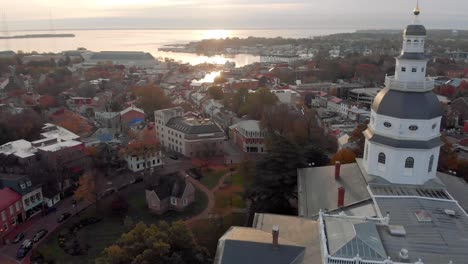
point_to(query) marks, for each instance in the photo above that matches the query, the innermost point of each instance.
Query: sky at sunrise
(228, 14)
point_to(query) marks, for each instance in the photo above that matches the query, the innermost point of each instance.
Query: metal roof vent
(403, 255)
(397, 230)
(450, 212)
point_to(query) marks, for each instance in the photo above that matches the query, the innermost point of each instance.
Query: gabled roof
(348, 237)
(172, 185)
(132, 108)
(21, 184)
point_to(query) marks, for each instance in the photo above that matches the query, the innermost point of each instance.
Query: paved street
(49, 222)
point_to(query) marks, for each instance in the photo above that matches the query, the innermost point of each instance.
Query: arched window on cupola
(431, 163)
(409, 163)
(382, 158)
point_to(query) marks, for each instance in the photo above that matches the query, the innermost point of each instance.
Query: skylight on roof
(423, 216)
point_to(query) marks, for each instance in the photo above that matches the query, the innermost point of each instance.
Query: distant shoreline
(38, 36)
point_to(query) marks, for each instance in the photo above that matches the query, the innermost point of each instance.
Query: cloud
(26, 14)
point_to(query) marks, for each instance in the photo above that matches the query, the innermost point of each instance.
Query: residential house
(190, 136)
(131, 116)
(459, 110)
(286, 96)
(30, 192)
(138, 162)
(11, 211)
(236, 84)
(170, 193)
(248, 136)
(334, 104)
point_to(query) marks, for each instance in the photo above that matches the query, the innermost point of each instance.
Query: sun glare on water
(216, 34)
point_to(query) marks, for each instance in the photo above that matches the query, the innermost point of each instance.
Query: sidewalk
(211, 197)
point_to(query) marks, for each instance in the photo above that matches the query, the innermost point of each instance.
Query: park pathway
(211, 197)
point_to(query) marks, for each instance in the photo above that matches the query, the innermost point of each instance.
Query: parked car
(51, 210)
(63, 217)
(18, 238)
(106, 193)
(174, 156)
(40, 234)
(22, 252)
(26, 244)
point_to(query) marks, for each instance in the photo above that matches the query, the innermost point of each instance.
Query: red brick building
(11, 211)
(131, 115)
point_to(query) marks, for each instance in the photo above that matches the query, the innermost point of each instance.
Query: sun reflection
(210, 77)
(216, 34)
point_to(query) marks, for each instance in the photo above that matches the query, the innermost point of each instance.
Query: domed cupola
(403, 137)
(415, 30)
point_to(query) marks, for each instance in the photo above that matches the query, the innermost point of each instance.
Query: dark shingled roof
(407, 105)
(14, 181)
(122, 55)
(415, 30)
(169, 185)
(406, 144)
(412, 56)
(247, 252)
(180, 124)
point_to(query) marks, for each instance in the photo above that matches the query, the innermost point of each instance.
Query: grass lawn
(231, 195)
(106, 232)
(208, 231)
(211, 176)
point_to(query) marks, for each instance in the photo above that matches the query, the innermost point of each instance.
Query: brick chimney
(341, 194)
(337, 170)
(275, 233)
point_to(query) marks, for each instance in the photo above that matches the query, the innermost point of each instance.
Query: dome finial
(416, 11)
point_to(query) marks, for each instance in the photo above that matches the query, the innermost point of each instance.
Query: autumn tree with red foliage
(368, 72)
(47, 101)
(72, 122)
(358, 140)
(447, 158)
(345, 156)
(151, 98)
